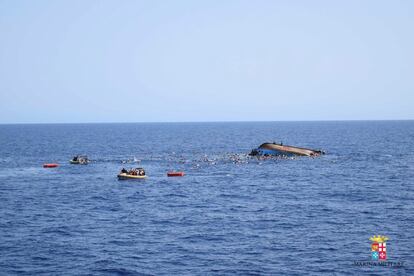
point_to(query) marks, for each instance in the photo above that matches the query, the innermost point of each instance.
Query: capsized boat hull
(124, 176)
(273, 149)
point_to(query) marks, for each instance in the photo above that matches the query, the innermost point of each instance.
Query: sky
(212, 60)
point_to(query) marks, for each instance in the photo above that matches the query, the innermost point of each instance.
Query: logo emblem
(379, 248)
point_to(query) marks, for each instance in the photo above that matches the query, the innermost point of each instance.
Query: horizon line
(189, 122)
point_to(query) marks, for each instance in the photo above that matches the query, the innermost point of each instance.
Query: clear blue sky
(212, 60)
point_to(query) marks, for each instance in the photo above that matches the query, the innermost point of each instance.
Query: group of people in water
(234, 158)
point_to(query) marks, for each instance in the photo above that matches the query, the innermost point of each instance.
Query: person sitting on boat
(141, 172)
(75, 158)
(124, 170)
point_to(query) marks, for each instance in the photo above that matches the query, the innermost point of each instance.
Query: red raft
(50, 165)
(170, 174)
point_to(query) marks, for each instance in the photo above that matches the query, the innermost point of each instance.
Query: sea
(231, 214)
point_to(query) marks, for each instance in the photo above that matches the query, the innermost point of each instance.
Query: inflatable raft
(80, 160)
(172, 174)
(125, 176)
(50, 165)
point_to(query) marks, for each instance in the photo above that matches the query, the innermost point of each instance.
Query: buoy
(175, 174)
(50, 165)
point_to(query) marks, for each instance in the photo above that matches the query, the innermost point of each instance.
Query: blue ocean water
(230, 214)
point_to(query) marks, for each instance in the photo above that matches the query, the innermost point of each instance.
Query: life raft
(171, 174)
(50, 165)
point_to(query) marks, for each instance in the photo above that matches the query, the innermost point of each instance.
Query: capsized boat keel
(273, 149)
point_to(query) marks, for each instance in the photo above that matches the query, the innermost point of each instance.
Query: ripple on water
(230, 214)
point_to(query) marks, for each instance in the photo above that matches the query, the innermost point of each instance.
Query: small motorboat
(137, 173)
(172, 173)
(50, 165)
(80, 160)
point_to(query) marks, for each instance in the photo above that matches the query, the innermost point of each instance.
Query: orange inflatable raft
(170, 174)
(50, 165)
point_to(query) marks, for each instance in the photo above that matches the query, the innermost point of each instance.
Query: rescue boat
(125, 176)
(80, 160)
(137, 173)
